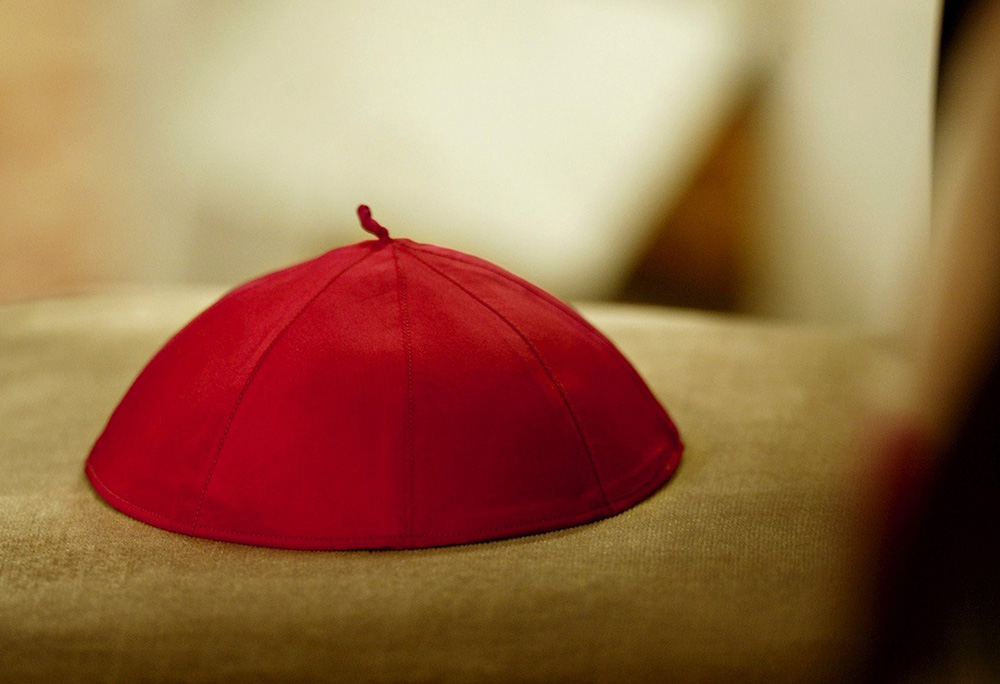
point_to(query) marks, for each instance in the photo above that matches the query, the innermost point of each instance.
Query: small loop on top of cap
(371, 225)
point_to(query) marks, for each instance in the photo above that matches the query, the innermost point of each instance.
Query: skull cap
(388, 394)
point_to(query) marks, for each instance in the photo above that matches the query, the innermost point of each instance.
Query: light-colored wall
(149, 183)
(540, 135)
(56, 171)
(845, 181)
(845, 127)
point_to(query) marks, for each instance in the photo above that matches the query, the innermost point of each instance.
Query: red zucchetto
(388, 394)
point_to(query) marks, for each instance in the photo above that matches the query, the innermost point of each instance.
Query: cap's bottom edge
(672, 455)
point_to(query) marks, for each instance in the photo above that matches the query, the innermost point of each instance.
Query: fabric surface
(386, 394)
(732, 572)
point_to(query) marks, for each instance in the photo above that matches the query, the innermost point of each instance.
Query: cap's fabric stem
(371, 225)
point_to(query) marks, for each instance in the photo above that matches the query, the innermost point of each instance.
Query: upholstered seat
(737, 570)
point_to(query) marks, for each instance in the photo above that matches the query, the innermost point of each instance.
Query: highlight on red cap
(370, 224)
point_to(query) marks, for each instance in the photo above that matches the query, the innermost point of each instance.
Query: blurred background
(766, 157)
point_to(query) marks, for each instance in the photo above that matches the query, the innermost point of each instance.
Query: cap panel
(158, 446)
(628, 434)
(312, 457)
(496, 448)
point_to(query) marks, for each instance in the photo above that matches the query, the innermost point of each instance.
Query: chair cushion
(736, 570)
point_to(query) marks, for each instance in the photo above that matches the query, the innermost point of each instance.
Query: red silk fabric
(388, 394)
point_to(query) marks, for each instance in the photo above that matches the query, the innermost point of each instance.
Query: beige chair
(738, 570)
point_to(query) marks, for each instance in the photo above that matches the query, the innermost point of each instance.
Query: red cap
(388, 394)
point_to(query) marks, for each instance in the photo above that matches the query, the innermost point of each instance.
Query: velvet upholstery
(735, 571)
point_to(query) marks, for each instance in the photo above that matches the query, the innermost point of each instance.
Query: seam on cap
(567, 313)
(562, 308)
(404, 319)
(253, 374)
(548, 371)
